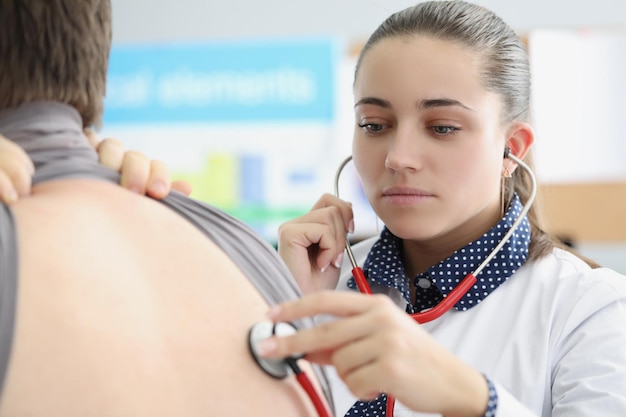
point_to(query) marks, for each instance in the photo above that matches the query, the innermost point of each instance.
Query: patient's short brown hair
(55, 50)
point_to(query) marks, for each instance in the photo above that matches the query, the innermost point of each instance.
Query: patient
(111, 303)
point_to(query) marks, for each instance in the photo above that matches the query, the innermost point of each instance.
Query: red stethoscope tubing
(306, 384)
(361, 281)
(308, 387)
(439, 310)
(391, 403)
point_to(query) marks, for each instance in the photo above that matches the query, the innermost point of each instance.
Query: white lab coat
(552, 338)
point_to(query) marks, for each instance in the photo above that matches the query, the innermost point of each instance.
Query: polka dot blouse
(384, 267)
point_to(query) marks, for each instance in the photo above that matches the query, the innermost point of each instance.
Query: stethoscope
(279, 368)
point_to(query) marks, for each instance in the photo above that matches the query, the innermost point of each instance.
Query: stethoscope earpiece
(275, 367)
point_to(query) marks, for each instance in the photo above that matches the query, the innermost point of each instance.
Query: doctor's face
(428, 139)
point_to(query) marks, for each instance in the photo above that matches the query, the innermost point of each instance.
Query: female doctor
(441, 89)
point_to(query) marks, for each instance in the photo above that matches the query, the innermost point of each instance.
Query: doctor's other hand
(16, 171)
(376, 347)
(138, 173)
(312, 245)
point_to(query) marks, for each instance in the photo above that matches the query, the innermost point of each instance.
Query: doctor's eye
(372, 128)
(443, 130)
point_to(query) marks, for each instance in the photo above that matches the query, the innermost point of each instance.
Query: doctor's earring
(506, 173)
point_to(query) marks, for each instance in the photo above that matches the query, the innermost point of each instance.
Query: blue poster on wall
(273, 80)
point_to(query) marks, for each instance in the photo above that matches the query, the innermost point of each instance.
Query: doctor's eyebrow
(374, 101)
(441, 102)
(422, 105)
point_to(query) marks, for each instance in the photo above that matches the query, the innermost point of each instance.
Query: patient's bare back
(126, 309)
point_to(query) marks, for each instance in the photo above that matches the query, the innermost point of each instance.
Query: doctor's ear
(520, 137)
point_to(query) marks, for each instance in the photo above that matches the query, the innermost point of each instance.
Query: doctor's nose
(404, 152)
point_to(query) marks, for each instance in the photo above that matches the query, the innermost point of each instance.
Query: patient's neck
(46, 129)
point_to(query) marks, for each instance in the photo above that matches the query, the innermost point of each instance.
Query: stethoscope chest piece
(274, 367)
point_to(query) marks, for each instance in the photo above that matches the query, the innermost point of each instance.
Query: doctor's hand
(16, 171)
(313, 245)
(376, 347)
(138, 173)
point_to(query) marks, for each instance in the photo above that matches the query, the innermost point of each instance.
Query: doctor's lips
(405, 194)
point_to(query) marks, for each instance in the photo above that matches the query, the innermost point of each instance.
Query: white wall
(160, 20)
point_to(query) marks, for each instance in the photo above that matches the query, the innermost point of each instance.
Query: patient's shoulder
(136, 312)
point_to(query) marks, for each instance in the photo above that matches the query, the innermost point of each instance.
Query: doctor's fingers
(336, 303)
(344, 207)
(320, 247)
(358, 318)
(367, 350)
(359, 367)
(371, 379)
(321, 233)
(320, 342)
(330, 215)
